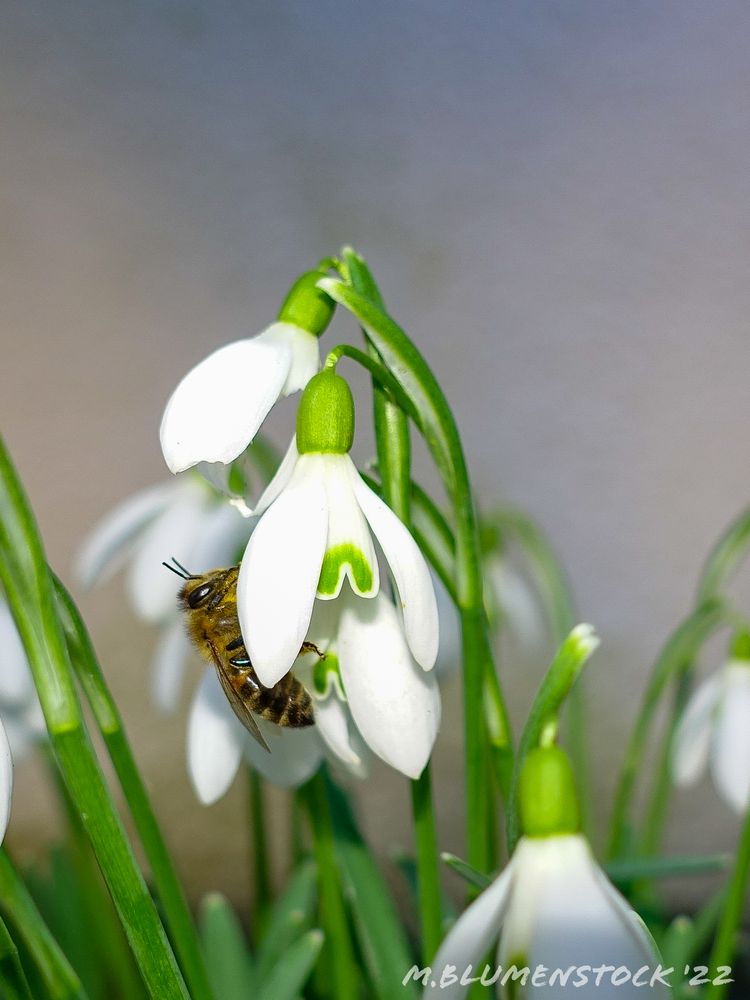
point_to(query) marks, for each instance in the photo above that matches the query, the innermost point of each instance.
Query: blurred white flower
(317, 526)
(19, 705)
(552, 906)
(512, 601)
(715, 730)
(217, 741)
(6, 781)
(183, 518)
(218, 407)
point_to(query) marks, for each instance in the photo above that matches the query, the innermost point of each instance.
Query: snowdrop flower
(19, 705)
(715, 730)
(368, 684)
(218, 407)
(317, 526)
(183, 518)
(511, 600)
(552, 906)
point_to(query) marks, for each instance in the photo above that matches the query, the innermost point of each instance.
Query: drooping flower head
(714, 730)
(216, 410)
(318, 526)
(551, 907)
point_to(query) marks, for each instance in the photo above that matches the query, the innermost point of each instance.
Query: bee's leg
(310, 647)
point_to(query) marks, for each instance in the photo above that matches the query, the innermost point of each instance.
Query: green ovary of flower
(335, 563)
(325, 673)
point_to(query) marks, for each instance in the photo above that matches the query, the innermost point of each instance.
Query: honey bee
(210, 602)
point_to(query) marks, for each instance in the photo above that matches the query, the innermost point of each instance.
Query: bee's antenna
(175, 571)
(179, 570)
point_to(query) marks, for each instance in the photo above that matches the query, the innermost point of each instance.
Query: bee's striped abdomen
(287, 703)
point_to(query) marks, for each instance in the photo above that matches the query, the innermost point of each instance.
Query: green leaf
(465, 870)
(12, 978)
(230, 968)
(632, 869)
(379, 932)
(291, 914)
(291, 972)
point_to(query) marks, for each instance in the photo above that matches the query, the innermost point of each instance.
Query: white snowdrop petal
(280, 480)
(168, 667)
(571, 917)
(332, 720)
(471, 935)
(279, 574)
(693, 734)
(305, 353)
(6, 781)
(394, 704)
(151, 587)
(216, 410)
(295, 754)
(349, 549)
(410, 572)
(107, 546)
(730, 749)
(16, 685)
(215, 739)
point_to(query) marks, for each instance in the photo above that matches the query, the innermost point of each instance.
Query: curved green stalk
(394, 464)
(674, 658)
(109, 721)
(405, 362)
(725, 557)
(30, 595)
(542, 722)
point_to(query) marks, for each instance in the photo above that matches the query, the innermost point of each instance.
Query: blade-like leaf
(230, 968)
(291, 972)
(380, 934)
(291, 914)
(12, 978)
(464, 869)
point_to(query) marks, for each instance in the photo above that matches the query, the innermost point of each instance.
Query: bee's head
(206, 590)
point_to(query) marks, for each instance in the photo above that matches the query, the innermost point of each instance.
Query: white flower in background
(368, 684)
(183, 518)
(218, 407)
(6, 780)
(512, 601)
(715, 730)
(217, 742)
(552, 905)
(19, 705)
(317, 526)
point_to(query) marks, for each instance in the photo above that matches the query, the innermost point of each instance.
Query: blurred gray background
(555, 197)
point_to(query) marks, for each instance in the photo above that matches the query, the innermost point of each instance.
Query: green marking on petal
(345, 558)
(326, 674)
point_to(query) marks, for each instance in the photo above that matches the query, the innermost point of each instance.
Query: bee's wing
(240, 709)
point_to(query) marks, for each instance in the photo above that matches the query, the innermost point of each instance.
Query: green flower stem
(19, 909)
(394, 464)
(31, 599)
(12, 977)
(725, 942)
(260, 857)
(725, 557)
(675, 657)
(541, 725)
(337, 950)
(381, 376)
(438, 426)
(109, 721)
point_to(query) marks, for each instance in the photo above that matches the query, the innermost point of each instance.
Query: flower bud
(306, 305)
(547, 794)
(325, 418)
